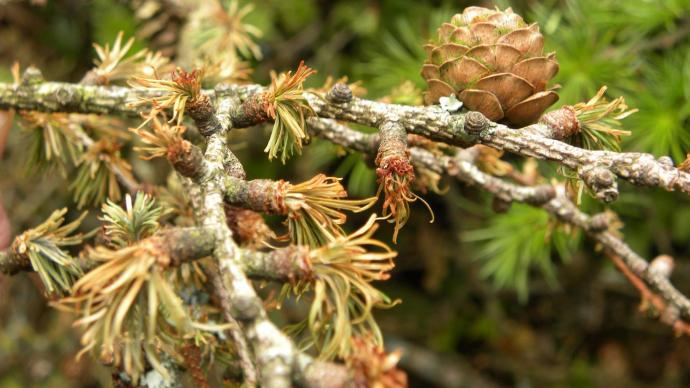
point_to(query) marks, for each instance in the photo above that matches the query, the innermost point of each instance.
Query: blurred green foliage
(514, 242)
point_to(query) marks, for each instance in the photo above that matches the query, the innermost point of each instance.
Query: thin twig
(537, 140)
(550, 198)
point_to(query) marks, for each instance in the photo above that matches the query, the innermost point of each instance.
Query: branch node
(598, 223)
(252, 111)
(562, 122)
(662, 265)
(602, 181)
(188, 161)
(32, 76)
(542, 195)
(666, 161)
(202, 112)
(67, 96)
(340, 93)
(475, 123)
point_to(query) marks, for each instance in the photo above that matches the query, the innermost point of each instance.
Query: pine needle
(343, 297)
(315, 210)
(286, 105)
(44, 247)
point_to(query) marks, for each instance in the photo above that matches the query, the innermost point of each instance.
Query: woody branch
(652, 283)
(184, 245)
(598, 169)
(279, 362)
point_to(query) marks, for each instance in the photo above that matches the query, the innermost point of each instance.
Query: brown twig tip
(601, 181)
(164, 140)
(248, 227)
(373, 367)
(253, 111)
(475, 122)
(662, 265)
(562, 122)
(186, 158)
(597, 122)
(199, 106)
(666, 313)
(395, 176)
(340, 93)
(291, 264)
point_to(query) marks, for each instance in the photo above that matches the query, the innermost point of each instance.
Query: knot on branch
(201, 110)
(562, 122)
(475, 123)
(12, 262)
(542, 195)
(293, 263)
(340, 93)
(232, 165)
(248, 227)
(32, 76)
(598, 223)
(602, 181)
(262, 195)
(253, 111)
(187, 160)
(666, 161)
(662, 266)
(64, 96)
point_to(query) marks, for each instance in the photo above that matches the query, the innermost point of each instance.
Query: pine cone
(494, 63)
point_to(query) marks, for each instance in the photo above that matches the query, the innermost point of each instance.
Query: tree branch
(552, 199)
(279, 362)
(184, 245)
(537, 140)
(180, 244)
